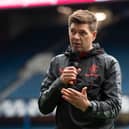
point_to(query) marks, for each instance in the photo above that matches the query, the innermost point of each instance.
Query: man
(84, 83)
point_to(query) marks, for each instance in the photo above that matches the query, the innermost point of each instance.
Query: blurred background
(31, 33)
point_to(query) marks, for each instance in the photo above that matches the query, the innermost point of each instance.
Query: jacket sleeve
(50, 89)
(110, 105)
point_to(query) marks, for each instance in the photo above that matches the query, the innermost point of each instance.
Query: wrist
(87, 106)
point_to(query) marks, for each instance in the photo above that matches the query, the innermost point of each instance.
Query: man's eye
(73, 32)
(83, 33)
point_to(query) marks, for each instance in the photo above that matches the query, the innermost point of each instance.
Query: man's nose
(77, 36)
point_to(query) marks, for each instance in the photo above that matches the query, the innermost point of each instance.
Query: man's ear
(94, 35)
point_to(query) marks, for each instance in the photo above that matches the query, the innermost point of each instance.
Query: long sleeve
(50, 89)
(110, 105)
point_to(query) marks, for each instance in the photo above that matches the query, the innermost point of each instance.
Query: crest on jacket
(92, 71)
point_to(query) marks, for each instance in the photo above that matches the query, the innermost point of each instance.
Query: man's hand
(69, 75)
(76, 98)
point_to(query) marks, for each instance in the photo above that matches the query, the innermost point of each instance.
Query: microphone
(76, 65)
(74, 61)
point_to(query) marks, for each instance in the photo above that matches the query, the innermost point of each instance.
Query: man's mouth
(77, 45)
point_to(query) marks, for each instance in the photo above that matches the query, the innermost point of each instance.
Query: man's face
(81, 37)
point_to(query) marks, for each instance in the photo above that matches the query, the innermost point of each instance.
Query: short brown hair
(84, 17)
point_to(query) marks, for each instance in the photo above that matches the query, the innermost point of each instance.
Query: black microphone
(74, 61)
(76, 65)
